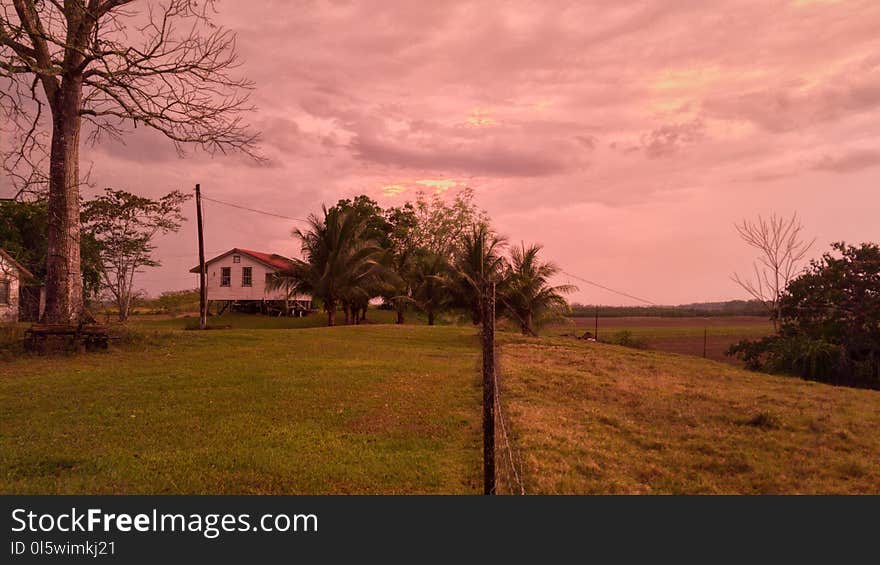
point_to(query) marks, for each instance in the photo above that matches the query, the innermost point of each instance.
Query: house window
(4, 292)
(225, 276)
(236, 258)
(247, 274)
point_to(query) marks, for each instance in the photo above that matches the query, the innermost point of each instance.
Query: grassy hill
(391, 409)
(595, 418)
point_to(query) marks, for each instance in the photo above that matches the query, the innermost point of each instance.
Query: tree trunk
(331, 316)
(401, 307)
(430, 317)
(364, 314)
(330, 306)
(122, 304)
(526, 325)
(64, 301)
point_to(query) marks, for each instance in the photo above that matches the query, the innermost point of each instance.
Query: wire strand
(609, 289)
(505, 437)
(254, 210)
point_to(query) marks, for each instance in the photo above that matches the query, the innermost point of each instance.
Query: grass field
(596, 418)
(391, 409)
(675, 335)
(333, 410)
(251, 321)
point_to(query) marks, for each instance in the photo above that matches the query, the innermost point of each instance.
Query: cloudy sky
(626, 136)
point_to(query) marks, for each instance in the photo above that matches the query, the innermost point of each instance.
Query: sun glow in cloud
(439, 185)
(687, 79)
(480, 118)
(814, 2)
(393, 189)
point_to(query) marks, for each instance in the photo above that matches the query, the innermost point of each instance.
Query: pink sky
(627, 137)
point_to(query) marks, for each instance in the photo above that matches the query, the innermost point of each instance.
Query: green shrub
(626, 338)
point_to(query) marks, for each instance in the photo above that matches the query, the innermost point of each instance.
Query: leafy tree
(167, 67)
(829, 321)
(376, 228)
(441, 224)
(367, 211)
(430, 283)
(528, 296)
(402, 251)
(23, 234)
(124, 225)
(339, 261)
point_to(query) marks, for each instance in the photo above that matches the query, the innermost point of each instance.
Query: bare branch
(782, 250)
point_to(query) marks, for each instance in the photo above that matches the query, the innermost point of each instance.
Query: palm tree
(339, 262)
(528, 296)
(430, 282)
(477, 261)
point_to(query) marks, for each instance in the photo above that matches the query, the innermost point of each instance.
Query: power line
(603, 287)
(240, 207)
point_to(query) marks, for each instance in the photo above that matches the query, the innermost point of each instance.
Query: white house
(11, 276)
(239, 277)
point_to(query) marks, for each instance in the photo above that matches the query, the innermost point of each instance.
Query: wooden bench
(89, 336)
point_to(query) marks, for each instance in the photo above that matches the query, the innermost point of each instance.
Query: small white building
(239, 279)
(11, 276)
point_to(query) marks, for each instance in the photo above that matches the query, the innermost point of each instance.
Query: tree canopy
(829, 321)
(435, 255)
(123, 225)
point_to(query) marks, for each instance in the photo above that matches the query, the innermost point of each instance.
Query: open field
(333, 410)
(596, 418)
(391, 409)
(242, 321)
(251, 321)
(676, 335)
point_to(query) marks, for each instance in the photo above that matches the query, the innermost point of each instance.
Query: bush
(829, 322)
(809, 358)
(752, 353)
(176, 302)
(625, 338)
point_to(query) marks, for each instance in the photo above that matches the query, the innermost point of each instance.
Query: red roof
(273, 259)
(270, 259)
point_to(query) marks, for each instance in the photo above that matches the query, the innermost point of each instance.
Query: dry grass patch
(594, 418)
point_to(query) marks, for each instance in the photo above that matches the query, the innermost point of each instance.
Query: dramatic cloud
(625, 136)
(666, 140)
(850, 162)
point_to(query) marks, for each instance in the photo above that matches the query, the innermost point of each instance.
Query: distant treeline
(698, 309)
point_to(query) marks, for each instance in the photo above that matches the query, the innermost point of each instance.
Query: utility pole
(203, 275)
(596, 326)
(488, 339)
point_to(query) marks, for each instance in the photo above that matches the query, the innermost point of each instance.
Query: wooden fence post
(488, 342)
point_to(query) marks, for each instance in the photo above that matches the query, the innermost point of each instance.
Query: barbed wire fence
(502, 467)
(509, 473)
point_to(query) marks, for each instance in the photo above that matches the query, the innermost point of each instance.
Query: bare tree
(782, 250)
(168, 68)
